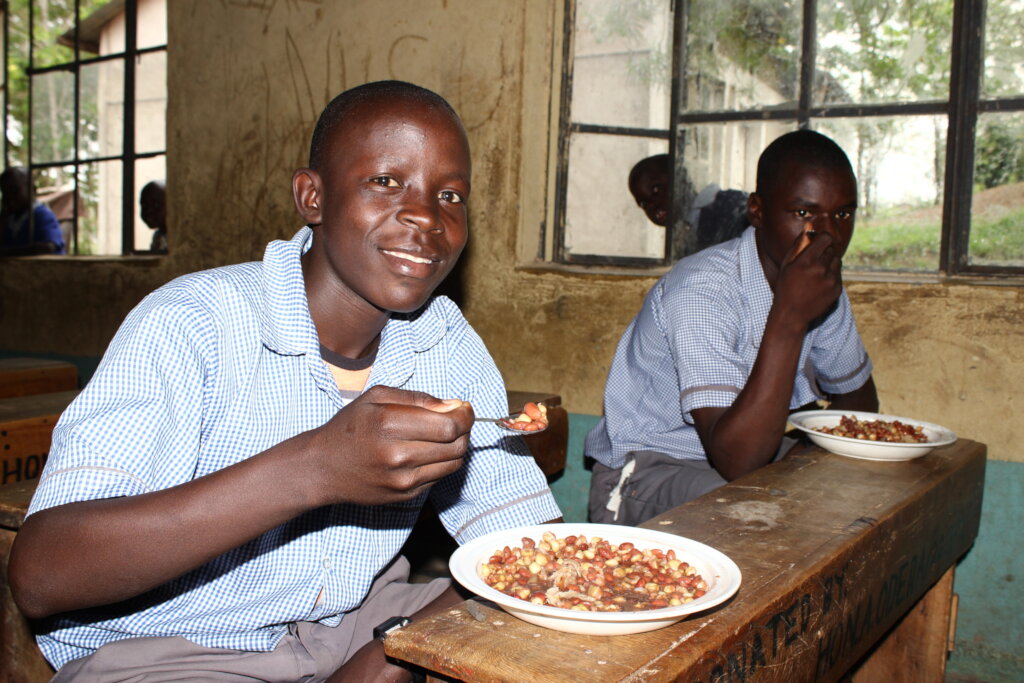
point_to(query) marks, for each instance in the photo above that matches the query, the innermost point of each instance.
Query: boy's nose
(420, 214)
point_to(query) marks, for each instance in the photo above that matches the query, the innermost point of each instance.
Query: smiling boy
(733, 339)
(228, 496)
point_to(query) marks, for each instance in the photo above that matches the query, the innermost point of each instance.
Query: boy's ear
(755, 210)
(307, 192)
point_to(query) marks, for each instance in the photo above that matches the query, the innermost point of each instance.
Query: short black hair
(660, 162)
(806, 146)
(338, 108)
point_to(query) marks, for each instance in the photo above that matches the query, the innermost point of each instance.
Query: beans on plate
(592, 574)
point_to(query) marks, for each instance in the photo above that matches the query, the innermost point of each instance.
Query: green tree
(1000, 156)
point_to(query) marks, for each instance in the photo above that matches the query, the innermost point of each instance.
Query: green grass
(908, 239)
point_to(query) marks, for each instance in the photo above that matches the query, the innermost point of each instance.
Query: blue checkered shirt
(693, 345)
(218, 366)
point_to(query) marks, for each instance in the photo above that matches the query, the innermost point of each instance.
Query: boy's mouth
(410, 257)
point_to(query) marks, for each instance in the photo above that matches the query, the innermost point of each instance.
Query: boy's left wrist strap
(381, 631)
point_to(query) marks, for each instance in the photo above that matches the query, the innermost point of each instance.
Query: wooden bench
(20, 659)
(26, 425)
(27, 376)
(842, 560)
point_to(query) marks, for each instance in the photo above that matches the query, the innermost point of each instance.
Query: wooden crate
(27, 376)
(26, 424)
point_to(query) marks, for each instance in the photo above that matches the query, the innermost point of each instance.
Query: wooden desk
(27, 376)
(26, 425)
(20, 659)
(834, 552)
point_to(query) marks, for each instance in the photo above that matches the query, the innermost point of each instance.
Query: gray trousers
(657, 483)
(309, 651)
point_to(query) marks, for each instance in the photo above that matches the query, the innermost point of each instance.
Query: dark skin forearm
(90, 553)
(746, 435)
(102, 551)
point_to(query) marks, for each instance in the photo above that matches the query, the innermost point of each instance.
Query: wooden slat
(833, 551)
(917, 647)
(27, 376)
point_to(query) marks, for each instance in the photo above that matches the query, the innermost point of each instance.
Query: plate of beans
(871, 436)
(597, 579)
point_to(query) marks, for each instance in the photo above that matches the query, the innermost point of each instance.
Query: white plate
(721, 574)
(808, 420)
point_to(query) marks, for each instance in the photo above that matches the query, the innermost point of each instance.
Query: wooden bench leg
(917, 647)
(20, 659)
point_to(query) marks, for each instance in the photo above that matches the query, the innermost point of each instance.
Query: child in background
(731, 340)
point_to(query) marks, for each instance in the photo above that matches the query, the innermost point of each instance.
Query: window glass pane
(622, 65)
(602, 217)
(997, 207)
(101, 109)
(742, 54)
(900, 165)
(100, 184)
(53, 24)
(883, 51)
(150, 102)
(53, 117)
(151, 23)
(720, 162)
(150, 204)
(55, 187)
(16, 121)
(1004, 48)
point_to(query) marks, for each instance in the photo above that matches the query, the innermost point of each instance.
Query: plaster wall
(246, 80)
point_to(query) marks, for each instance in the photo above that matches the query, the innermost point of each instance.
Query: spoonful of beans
(533, 418)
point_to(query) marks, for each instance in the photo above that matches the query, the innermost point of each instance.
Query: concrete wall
(247, 79)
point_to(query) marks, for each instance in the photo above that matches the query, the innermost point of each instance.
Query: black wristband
(381, 631)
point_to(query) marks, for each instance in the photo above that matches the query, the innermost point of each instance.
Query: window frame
(961, 110)
(130, 57)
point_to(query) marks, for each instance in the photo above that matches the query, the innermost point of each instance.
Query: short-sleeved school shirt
(693, 345)
(218, 366)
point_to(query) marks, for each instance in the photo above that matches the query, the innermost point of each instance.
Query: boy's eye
(802, 213)
(450, 196)
(844, 215)
(385, 181)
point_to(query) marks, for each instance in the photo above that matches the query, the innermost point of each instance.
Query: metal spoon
(506, 423)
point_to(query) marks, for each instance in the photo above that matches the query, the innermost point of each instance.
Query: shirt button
(328, 563)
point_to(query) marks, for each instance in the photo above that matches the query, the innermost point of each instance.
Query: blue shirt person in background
(731, 340)
(228, 496)
(715, 214)
(27, 227)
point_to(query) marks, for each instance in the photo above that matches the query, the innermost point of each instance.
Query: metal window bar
(961, 110)
(128, 156)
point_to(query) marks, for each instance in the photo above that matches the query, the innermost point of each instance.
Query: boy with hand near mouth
(228, 496)
(732, 340)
